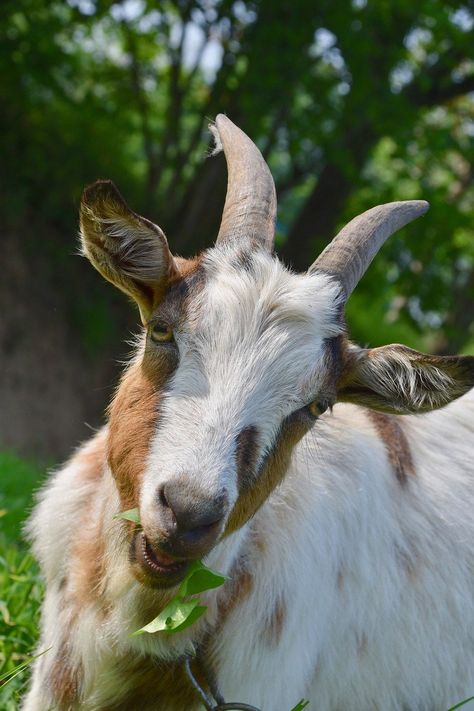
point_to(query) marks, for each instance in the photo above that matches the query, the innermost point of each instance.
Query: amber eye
(316, 408)
(161, 333)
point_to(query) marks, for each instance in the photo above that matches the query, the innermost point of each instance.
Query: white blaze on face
(250, 353)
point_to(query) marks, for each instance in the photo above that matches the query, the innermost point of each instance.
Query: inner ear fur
(399, 380)
(127, 249)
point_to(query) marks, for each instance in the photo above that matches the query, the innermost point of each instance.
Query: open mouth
(156, 564)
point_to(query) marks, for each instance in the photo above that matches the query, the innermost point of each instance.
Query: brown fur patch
(132, 422)
(64, 680)
(274, 626)
(87, 571)
(396, 443)
(408, 562)
(362, 644)
(236, 591)
(154, 685)
(87, 552)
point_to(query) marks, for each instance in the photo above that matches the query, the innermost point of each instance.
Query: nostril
(183, 508)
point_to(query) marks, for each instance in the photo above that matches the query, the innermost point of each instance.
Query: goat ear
(125, 248)
(399, 380)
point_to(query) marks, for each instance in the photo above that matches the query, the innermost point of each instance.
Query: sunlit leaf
(199, 578)
(130, 515)
(182, 612)
(177, 615)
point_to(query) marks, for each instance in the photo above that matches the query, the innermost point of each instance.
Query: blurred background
(352, 103)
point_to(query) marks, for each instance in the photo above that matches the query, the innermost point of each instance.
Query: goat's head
(239, 358)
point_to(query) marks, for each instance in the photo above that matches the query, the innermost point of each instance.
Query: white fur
(375, 579)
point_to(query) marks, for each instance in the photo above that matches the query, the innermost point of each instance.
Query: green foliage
(21, 592)
(19, 478)
(21, 589)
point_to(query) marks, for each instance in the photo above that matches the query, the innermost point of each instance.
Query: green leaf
(462, 703)
(300, 705)
(198, 579)
(177, 615)
(130, 515)
(194, 615)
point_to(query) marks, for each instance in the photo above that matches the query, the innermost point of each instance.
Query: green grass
(18, 479)
(20, 587)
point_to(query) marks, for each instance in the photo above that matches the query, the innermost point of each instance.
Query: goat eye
(316, 408)
(161, 333)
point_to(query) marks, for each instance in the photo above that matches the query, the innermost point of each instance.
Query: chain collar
(215, 702)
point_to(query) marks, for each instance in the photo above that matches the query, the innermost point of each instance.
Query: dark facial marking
(271, 471)
(246, 455)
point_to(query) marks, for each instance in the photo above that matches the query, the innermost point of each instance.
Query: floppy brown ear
(399, 380)
(128, 250)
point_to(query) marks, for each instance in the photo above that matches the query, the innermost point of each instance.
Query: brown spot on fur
(236, 591)
(408, 563)
(274, 627)
(362, 644)
(87, 572)
(152, 684)
(64, 680)
(396, 443)
(340, 580)
(87, 551)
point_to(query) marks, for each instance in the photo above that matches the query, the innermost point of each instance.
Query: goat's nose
(189, 513)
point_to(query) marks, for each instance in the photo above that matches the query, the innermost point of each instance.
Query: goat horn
(350, 253)
(250, 204)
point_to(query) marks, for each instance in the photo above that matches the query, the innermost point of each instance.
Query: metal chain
(216, 703)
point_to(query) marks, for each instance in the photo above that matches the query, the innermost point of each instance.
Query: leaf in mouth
(130, 515)
(181, 612)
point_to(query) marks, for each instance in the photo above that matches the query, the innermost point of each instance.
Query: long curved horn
(350, 253)
(250, 204)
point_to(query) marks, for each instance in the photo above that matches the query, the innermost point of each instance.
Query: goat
(251, 433)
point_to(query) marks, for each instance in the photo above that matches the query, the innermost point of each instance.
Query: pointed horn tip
(419, 207)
